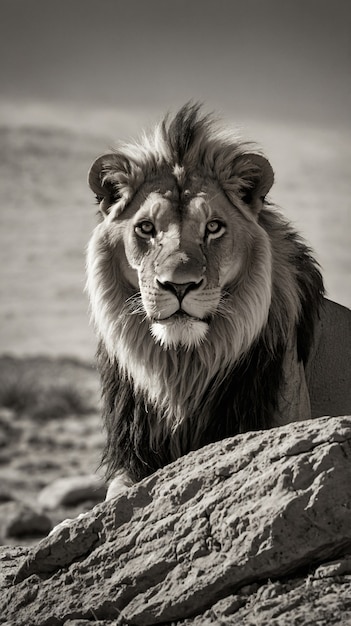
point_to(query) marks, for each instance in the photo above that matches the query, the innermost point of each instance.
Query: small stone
(7, 416)
(20, 520)
(334, 568)
(7, 429)
(5, 495)
(72, 490)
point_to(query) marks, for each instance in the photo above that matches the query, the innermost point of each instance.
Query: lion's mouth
(180, 315)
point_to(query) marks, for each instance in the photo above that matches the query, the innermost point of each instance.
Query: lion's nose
(179, 289)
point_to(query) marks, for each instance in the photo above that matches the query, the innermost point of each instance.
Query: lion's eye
(215, 227)
(145, 229)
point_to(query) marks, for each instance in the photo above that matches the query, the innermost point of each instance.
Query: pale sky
(281, 59)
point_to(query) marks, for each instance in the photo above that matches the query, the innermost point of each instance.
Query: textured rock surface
(252, 530)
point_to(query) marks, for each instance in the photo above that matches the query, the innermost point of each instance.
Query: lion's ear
(256, 178)
(103, 180)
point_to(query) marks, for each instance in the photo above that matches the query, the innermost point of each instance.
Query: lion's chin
(179, 332)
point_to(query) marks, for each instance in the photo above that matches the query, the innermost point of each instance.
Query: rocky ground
(50, 445)
(251, 531)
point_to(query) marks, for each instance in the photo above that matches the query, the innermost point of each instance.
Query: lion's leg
(294, 400)
(329, 365)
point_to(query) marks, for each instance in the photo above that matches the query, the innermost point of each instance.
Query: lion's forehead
(175, 210)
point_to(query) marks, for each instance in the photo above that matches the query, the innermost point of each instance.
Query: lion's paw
(118, 485)
(67, 523)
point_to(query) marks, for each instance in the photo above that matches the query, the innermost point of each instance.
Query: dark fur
(247, 398)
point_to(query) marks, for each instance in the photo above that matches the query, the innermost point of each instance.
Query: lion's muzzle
(179, 289)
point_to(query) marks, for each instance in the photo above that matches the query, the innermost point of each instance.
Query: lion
(205, 300)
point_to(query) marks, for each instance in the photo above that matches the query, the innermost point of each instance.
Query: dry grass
(43, 388)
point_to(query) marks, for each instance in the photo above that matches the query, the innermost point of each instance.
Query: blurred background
(77, 76)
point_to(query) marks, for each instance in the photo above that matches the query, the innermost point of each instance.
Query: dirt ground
(50, 428)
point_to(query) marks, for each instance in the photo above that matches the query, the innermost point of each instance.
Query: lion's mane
(229, 383)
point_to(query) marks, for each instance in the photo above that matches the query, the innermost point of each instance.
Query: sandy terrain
(47, 214)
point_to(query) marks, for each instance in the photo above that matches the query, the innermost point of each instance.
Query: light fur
(246, 288)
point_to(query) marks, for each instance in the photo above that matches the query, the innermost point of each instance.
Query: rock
(20, 520)
(5, 495)
(72, 490)
(7, 417)
(9, 558)
(7, 429)
(235, 533)
(303, 601)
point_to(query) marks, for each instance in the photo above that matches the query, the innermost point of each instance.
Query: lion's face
(180, 261)
(181, 253)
